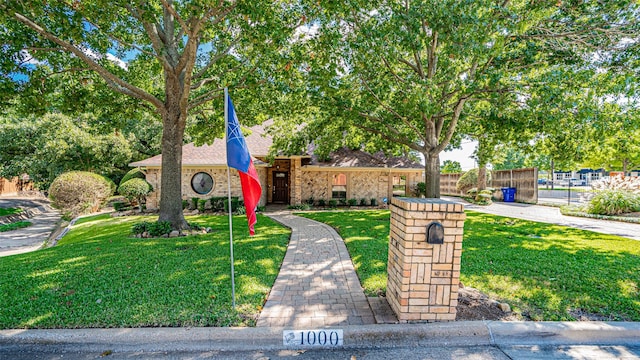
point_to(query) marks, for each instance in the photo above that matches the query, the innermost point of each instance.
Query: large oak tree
(173, 57)
(405, 72)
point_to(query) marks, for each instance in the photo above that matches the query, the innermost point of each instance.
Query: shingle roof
(257, 141)
(359, 159)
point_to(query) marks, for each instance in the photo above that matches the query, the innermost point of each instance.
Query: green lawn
(546, 272)
(9, 211)
(99, 276)
(15, 225)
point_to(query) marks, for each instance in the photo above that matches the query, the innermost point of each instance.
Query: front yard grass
(9, 211)
(15, 225)
(545, 272)
(100, 276)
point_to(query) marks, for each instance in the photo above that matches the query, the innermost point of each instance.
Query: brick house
(347, 175)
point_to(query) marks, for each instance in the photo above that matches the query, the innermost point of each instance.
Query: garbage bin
(509, 194)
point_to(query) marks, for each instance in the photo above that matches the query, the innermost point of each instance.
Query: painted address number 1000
(305, 338)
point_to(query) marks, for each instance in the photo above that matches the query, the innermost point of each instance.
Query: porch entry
(280, 187)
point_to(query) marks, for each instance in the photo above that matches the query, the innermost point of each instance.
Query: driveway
(552, 215)
(33, 237)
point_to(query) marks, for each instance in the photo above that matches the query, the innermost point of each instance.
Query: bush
(304, 206)
(469, 180)
(322, 202)
(194, 203)
(235, 203)
(374, 202)
(352, 202)
(420, 189)
(80, 192)
(201, 204)
(333, 203)
(185, 204)
(132, 174)
(310, 201)
(613, 202)
(154, 229)
(363, 202)
(120, 206)
(135, 189)
(217, 203)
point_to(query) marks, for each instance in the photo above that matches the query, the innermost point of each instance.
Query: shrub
(201, 203)
(333, 203)
(194, 203)
(120, 206)
(80, 192)
(299, 207)
(342, 202)
(261, 208)
(613, 202)
(470, 179)
(185, 204)
(310, 201)
(135, 189)
(217, 203)
(322, 202)
(241, 210)
(420, 189)
(363, 202)
(235, 203)
(374, 202)
(159, 228)
(352, 202)
(140, 228)
(132, 174)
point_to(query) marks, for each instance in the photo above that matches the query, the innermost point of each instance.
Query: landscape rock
(505, 307)
(174, 233)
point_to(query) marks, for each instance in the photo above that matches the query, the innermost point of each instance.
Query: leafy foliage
(45, 147)
(451, 167)
(135, 189)
(80, 192)
(469, 179)
(613, 202)
(132, 174)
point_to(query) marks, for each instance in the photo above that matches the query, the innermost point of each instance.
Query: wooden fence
(524, 180)
(14, 186)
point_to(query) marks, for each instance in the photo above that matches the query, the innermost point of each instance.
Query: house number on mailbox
(435, 233)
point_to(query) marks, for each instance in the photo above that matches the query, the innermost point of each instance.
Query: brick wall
(423, 279)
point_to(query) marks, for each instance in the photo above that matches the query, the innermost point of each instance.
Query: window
(399, 185)
(202, 183)
(339, 187)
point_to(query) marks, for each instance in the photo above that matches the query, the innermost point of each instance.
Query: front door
(280, 187)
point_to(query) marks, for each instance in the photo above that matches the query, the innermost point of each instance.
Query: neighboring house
(12, 187)
(587, 176)
(289, 179)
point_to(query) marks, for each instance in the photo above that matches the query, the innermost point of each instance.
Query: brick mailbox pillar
(425, 245)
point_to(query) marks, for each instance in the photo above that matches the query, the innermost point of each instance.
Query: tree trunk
(553, 178)
(482, 176)
(432, 175)
(171, 183)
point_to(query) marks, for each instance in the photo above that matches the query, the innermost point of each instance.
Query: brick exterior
(220, 187)
(304, 183)
(423, 279)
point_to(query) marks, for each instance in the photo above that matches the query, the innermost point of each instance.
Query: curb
(454, 334)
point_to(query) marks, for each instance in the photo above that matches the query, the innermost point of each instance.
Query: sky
(463, 156)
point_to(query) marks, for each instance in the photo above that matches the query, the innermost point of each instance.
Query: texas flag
(238, 157)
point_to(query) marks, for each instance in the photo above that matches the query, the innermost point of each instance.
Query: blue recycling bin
(509, 194)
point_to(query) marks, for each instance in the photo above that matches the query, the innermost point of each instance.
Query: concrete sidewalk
(487, 340)
(552, 215)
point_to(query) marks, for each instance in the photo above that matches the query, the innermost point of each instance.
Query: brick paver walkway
(317, 285)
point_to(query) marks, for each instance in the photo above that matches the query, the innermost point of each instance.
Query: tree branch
(114, 81)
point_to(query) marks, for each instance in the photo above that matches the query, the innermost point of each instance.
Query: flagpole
(226, 129)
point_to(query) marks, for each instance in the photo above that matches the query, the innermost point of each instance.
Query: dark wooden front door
(280, 187)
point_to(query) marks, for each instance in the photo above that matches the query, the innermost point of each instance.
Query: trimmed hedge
(132, 174)
(135, 189)
(80, 192)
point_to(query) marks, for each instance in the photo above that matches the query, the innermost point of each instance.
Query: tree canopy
(169, 58)
(403, 74)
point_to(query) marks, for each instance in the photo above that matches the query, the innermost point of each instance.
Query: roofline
(337, 168)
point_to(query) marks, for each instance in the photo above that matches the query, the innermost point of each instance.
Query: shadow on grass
(546, 272)
(99, 276)
(552, 272)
